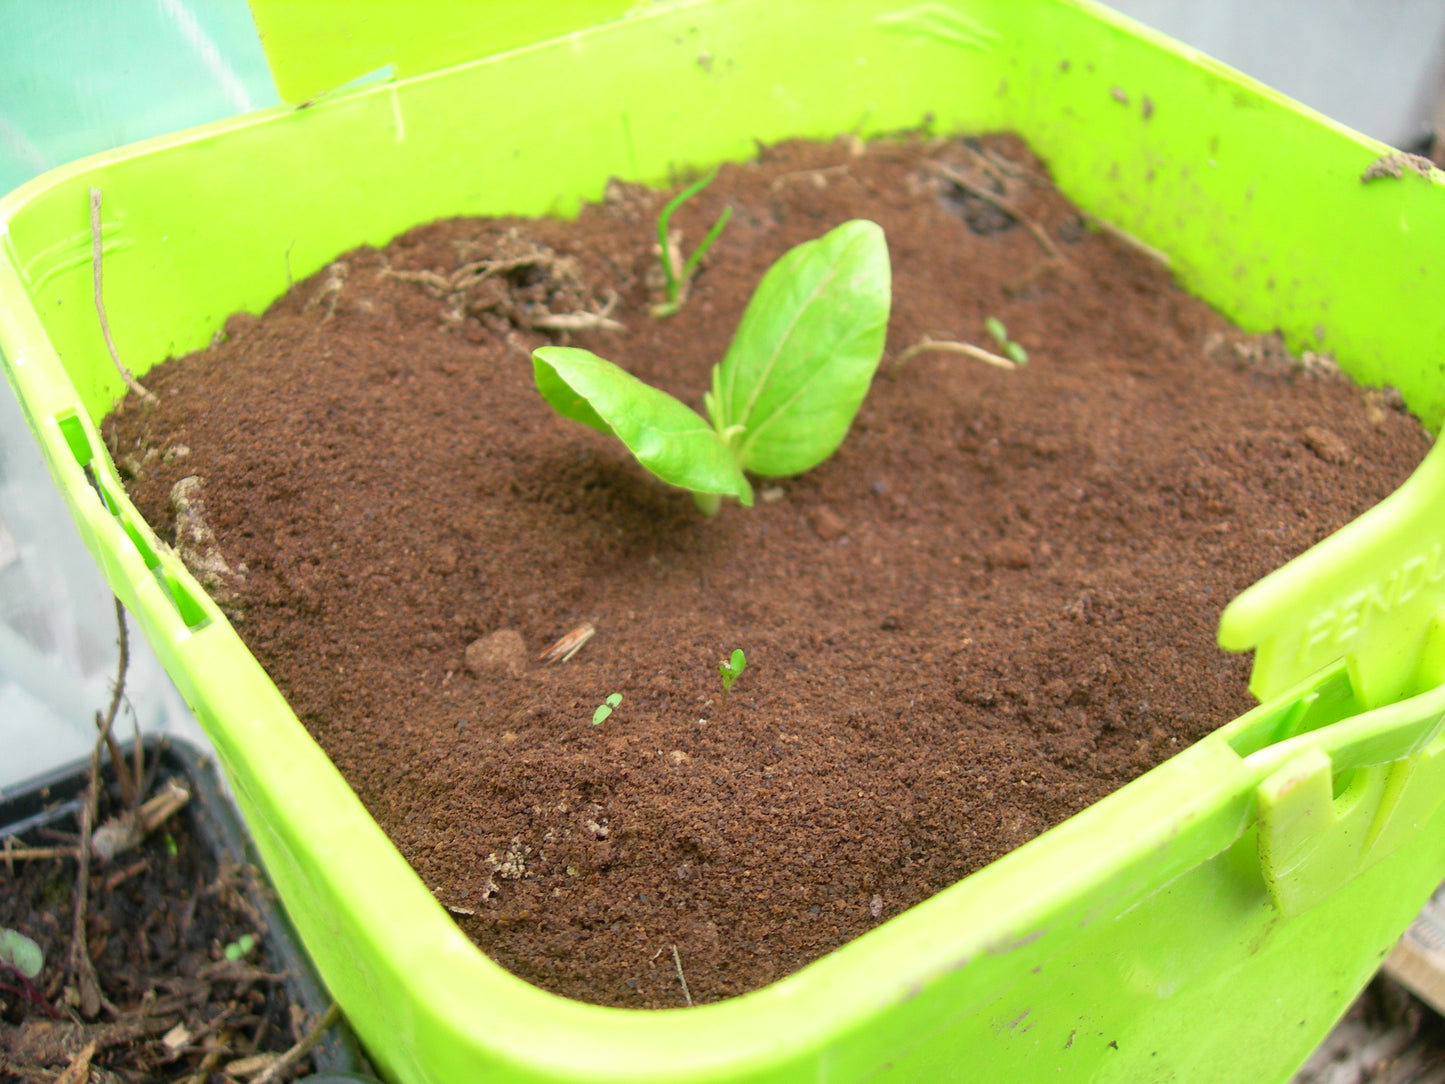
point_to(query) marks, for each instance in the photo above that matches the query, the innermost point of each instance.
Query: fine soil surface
(994, 605)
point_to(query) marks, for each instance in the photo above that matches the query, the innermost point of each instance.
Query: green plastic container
(1206, 923)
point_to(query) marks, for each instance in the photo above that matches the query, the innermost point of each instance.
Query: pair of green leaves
(785, 393)
(605, 709)
(733, 669)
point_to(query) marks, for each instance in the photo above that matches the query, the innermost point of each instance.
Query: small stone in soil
(497, 653)
(826, 523)
(1327, 445)
(1010, 553)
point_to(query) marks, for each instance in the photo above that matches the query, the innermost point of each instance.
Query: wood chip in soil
(993, 606)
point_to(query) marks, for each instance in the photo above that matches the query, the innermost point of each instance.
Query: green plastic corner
(1370, 594)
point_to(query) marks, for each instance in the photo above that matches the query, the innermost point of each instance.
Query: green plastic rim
(1187, 927)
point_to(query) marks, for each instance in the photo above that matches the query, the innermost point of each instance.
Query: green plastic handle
(1372, 594)
(1341, 799)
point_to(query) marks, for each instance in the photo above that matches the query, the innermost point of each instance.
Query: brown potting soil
(993, 606)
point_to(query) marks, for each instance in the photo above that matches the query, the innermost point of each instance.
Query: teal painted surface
(80, 76)
(77, 77)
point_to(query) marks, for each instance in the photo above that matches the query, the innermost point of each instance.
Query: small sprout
(605, 709)
(172, 850)
(240, 948)
(785, 392)
(733, 669)
(20, 952)
(1015, 352)
(675, 279)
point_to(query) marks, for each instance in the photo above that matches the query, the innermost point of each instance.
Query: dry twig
(817, 176)
(36, 854)
(435, 284)
(569, 645)
(137, 819)
(125, 832)
(676, 959)
(1128, 239)
(80, 962)
(129, 779)
(330, 291)
(471, 273)
(91, 998)
(78, 1071)
(453, 287)
(952, 175)
(284, 1063)
(125, 374)
(211, 1060)
(948, 346)
(582, 320)
(25, 1072)
(178, 1045)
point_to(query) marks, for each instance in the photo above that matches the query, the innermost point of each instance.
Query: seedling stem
(784, 394)
(732, 669)
(675, 279)
(604, 709)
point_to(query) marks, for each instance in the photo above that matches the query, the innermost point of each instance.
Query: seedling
(675, 279)
(20, 952)
(733, 669)
(604, 709)
(1016, 353)
(785, 393)
(240, 948)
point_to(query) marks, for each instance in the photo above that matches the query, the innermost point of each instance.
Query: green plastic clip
(1343, 797)
(1372, 594)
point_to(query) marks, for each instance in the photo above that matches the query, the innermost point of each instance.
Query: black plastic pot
(54, 801)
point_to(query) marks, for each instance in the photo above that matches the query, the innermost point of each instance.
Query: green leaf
(1016, 353)
(240, 948)
(805, 352)
(670, 440)
(605, 709)
(673, 281)
(20, 952)
(995, 328)
(733, 669)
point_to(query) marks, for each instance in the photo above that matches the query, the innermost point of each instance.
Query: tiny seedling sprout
(733, 669)
(240, 948)
(1015, 353)
(675, 279)
(604, 709)
(784, 394)
(20, 952)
